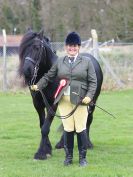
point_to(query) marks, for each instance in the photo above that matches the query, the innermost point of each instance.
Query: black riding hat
(73, 38)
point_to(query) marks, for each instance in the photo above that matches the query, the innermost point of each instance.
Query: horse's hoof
(40, 156)
(59, 146)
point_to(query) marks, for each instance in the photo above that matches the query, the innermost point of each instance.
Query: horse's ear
(40, 34)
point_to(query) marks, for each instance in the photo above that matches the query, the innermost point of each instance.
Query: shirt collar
(75, 57)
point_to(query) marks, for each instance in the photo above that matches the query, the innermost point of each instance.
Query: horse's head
(35, 55)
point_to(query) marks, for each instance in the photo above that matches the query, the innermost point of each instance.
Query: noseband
(30, 59)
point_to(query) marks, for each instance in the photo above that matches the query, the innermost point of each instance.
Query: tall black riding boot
(82, 147)
(68, 146)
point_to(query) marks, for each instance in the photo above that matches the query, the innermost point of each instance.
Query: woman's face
(72, 50)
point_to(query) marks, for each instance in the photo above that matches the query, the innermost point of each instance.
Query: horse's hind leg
(89, 121)
(60, 144)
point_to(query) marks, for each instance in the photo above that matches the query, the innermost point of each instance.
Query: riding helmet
(73, 38)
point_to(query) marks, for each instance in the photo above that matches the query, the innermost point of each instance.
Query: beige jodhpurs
(76, 122)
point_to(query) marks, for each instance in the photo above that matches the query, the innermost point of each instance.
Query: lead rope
(51, 111)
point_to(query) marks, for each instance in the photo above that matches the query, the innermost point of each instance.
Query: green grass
(112, 155)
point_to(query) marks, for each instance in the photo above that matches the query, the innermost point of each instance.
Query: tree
(111, 18)
(35, 16)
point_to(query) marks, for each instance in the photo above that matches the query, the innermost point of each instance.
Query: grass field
(112, 155)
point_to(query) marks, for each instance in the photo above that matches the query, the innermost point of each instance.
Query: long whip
(92, 103)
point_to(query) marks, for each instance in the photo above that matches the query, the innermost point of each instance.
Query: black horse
(36, 58)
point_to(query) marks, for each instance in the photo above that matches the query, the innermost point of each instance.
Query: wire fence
(115, 59)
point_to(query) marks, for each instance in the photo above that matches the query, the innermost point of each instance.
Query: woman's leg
(80, 118)
(65, 107)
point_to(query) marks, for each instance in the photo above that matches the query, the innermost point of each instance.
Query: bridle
(36, 67)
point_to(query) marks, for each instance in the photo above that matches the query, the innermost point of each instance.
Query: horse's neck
(52, 57)
(44, 68)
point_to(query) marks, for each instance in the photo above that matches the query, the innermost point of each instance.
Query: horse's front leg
(39, 106)
(45, 148)
(41, 152)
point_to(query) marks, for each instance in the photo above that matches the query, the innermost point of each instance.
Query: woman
(80, 77)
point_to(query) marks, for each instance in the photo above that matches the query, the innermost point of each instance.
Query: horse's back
(98, 71)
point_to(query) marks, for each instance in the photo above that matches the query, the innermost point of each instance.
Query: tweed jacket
(81, 77)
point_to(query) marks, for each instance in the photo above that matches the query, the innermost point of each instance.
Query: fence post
(4, 61)
(95, 50)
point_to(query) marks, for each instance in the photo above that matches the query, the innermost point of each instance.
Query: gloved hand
(34, 87)
(86, 100)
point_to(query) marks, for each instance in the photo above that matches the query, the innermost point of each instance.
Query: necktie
(71, 59)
